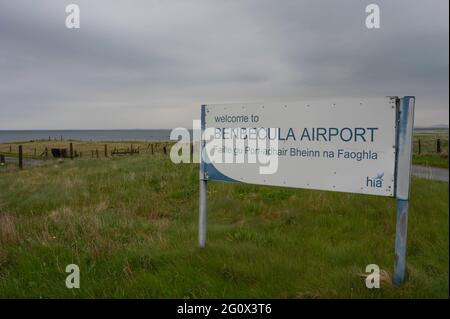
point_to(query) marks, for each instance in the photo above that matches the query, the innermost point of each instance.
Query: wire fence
(429, 145)
(58, 149)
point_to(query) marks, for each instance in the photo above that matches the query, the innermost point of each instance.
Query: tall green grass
(131, 225)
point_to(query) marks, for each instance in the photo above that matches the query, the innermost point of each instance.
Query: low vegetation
(130, 223)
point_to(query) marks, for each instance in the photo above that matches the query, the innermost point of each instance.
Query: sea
(7, 136)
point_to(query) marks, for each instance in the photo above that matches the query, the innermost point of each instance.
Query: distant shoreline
(431, 128)
(119, 135)
(11, 136)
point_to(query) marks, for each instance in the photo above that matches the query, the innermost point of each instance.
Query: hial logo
(376, 181)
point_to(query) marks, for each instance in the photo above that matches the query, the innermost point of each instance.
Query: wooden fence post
(106, 150)
(2, 159)
(20, 157)
(420, 147)
(71, 150)
(96, 152)
(438, 145)
(152, 149)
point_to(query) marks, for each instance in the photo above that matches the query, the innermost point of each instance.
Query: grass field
(130, 223)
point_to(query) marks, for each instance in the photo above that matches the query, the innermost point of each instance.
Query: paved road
(440, 174)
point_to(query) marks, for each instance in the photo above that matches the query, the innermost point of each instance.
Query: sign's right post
(405, 124)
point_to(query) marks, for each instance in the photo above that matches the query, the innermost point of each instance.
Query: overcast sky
(151, 64)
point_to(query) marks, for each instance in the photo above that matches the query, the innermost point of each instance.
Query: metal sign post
(203, 187)
(321, 147)
(405, 125)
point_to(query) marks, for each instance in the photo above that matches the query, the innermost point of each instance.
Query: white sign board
(339, 145)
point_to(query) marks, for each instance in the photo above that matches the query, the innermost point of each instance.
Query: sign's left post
(203, 186)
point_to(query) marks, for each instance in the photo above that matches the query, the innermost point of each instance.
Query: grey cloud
(150, 64)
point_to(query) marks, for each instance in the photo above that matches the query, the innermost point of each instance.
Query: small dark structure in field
(60, 152)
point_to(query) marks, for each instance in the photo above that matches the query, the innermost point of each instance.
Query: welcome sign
(342, 145)
(357, 146)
